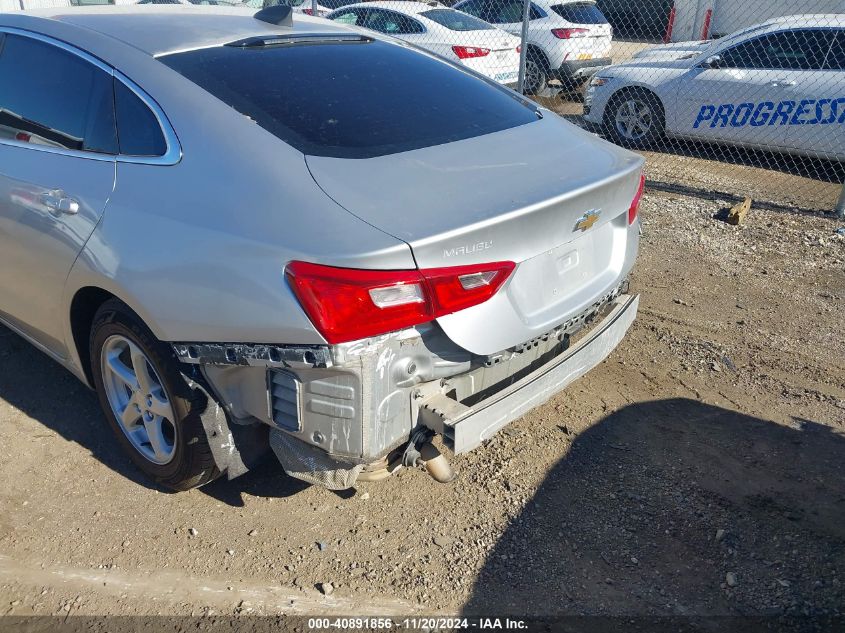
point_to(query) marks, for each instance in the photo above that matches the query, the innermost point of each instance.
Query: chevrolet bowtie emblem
(586, 221)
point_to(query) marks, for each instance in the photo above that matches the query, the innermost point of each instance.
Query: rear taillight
(568, 34)
(519, 48)
(634, 209)
(23, 136)
(468, 52)
(346, 304)
(308, 11)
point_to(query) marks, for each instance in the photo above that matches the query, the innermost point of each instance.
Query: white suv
(568, 40)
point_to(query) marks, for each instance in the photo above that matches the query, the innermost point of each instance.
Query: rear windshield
(456, 21)
(580, 13)
(355, 99)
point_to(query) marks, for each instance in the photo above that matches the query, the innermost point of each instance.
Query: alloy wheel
(634, 119)
(138, 399)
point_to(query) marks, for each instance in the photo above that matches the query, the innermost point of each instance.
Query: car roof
(402, 6)
(161, 29)
(833, 20)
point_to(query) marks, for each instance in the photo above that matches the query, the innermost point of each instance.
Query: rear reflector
(346, 304)
(23, 136)
(568, 34)
(634, 209)
(468, 52)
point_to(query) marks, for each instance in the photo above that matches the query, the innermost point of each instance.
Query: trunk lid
(515, 195)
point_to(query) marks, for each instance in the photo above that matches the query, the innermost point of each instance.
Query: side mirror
(713, 62)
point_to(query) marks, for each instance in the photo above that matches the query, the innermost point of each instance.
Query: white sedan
(777, 86)
(449, 33)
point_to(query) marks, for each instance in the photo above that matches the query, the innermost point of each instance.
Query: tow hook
(428, 456)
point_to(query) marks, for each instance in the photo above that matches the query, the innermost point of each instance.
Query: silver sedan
(252, 233)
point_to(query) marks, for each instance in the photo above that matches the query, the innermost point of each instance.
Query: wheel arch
(537, 50)
(84, 304)
(633, 89)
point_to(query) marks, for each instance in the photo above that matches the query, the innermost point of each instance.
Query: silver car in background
(247, 232)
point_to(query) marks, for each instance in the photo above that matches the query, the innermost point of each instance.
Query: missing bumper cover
(253, 355)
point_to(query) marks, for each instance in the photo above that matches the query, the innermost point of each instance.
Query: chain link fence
(724, 97)
(727, 98)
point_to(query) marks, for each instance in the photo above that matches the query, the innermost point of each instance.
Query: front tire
(635, 118)
(151, 408)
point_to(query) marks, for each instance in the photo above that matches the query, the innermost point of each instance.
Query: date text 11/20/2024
(417, 624)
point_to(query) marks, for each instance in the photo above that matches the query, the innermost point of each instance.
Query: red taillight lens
(568, 34)
(23, 136)
(634, 209)
(346, 304)
(468, 52)
(519, 48)
(460, 287)
(308, 11)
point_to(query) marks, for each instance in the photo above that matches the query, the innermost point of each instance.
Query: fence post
(314, 8)
(523, 45)
(839, 209)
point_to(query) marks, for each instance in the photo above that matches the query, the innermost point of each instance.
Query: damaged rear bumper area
(467, 427)
(359, 410)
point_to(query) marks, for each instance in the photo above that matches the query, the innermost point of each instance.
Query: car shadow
(44, 391)
(265, 479)
(678, 508)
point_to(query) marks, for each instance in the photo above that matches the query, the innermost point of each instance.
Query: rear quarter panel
(198, 249)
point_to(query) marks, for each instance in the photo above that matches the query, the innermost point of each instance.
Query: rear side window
(51, 97)
(392, 23)
(336, 4)
(836, 59)
(509, 11)
(354, 99)
(456, 21)
(138, 130)
(580, 13)
(352, 17)
(499, 11)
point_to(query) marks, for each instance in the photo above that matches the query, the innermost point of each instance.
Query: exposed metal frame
(171, 156)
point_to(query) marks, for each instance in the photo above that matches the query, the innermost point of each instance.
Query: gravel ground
(697, 471)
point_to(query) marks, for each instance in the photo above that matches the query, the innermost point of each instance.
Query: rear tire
(635, 118)
(152, 410)
(536, 73)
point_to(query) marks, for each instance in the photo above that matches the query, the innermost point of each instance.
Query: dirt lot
(698, 471)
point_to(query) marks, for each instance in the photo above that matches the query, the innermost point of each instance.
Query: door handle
(59, 202)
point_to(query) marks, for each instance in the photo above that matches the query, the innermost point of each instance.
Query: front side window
(787, 50)
(456, 21)
(311, 97)
(392, 23)
(51, 97)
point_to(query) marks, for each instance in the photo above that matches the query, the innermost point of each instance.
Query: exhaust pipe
(436, 464)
